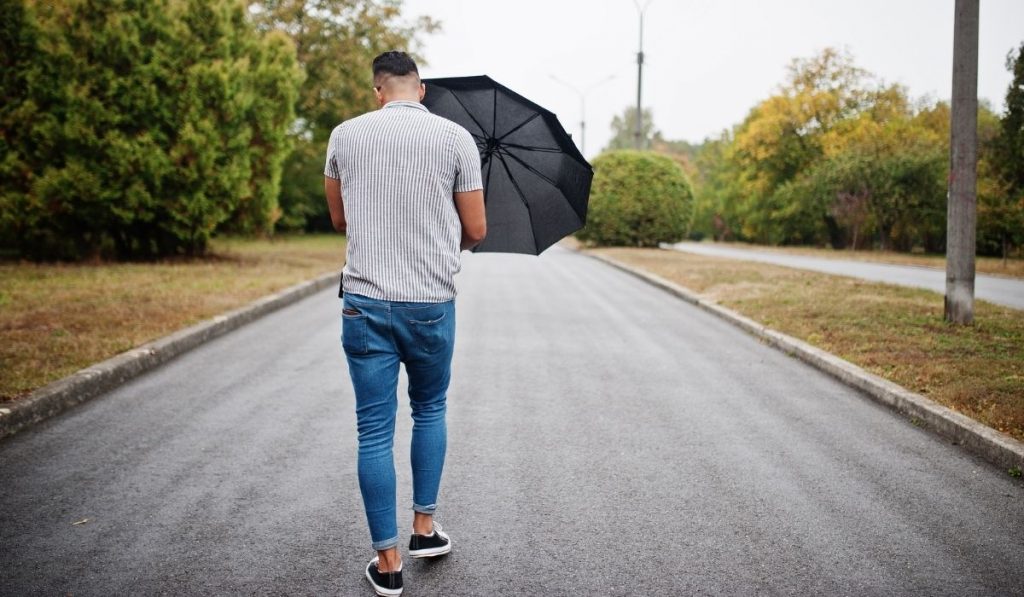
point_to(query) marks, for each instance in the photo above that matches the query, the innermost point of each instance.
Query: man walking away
(405, 185)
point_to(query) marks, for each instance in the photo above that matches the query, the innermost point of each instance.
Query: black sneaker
(387, 584)
(435, 544)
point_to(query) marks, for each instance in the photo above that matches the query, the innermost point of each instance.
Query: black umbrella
(536, 183)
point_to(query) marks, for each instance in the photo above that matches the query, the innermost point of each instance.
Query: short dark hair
(394, 63)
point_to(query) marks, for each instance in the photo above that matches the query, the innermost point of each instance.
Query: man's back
(399, 167)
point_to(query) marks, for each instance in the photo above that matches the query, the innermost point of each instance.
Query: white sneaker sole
(432, 552)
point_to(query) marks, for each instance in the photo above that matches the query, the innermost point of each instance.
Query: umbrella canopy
(536, 182)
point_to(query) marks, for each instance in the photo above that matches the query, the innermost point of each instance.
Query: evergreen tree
(29, 87)
(146, 125)
(1011, 143)
(1001, 171)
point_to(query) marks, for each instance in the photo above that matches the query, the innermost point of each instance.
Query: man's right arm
(332, 185)
(335, 204)
(473, 216)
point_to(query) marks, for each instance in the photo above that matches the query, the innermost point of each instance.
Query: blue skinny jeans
(377, 336)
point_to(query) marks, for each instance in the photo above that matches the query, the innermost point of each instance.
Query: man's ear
(377, 94)
(423, 90)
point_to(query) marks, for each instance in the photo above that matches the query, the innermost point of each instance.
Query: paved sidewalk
(606, 438)
(994, 289)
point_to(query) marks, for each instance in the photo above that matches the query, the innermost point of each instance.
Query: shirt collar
(405, 104)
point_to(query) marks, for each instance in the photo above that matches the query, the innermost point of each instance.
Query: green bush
(302, 198)
(637, 199)
(137, 128)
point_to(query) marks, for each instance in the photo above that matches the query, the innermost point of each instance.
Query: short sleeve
(467, 163)
(331, 169)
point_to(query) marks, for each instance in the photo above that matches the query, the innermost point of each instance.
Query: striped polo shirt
(399, 167)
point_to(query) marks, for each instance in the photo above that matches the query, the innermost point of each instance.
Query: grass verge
(1013, 267)
(58, 318)
(895, 332)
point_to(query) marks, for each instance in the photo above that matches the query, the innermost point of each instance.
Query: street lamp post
(961, 208)
(583, 106)
(638, 135)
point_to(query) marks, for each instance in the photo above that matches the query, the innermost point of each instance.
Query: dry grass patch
(58, 318)
(1013, 267)
(892, 331)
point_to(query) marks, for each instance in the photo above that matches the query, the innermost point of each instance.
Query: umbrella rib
(534, 148)
(543, 177)
(535, 171)
(520, 125)
(487, 180)
(470, 114)
(522, 197)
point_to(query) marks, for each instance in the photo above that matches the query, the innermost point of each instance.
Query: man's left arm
(332, 188)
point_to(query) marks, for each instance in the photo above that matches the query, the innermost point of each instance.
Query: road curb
(991, 445)
(102, 377)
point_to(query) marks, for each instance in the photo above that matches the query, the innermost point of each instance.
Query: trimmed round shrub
(637, 199)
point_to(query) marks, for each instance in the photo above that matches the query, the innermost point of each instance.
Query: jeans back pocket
(431, 334)
(354, 332)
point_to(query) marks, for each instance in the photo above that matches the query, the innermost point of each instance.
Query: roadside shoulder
(990, 444)
(104, 376)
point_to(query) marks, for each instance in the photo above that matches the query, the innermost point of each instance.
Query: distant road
(605, 438)
(1001, 291)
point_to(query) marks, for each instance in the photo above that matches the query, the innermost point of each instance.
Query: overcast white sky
(707, 62)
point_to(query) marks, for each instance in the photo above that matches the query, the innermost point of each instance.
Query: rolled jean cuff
(424, 509)
(385, 544)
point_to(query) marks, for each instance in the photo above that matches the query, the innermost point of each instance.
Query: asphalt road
(994, 289)
(605, 439)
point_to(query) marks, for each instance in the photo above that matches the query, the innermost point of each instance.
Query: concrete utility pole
(961, 212)
(638, 136)
(583, 106)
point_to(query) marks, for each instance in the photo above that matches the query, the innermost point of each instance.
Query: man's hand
(473, 216)
(332, 188)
